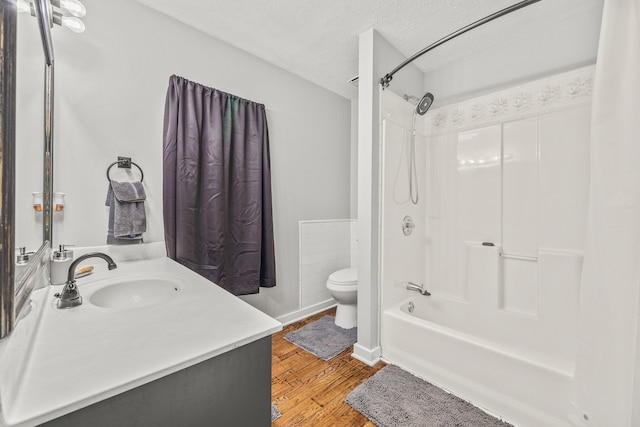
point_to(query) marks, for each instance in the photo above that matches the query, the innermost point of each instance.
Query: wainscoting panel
(325, 247)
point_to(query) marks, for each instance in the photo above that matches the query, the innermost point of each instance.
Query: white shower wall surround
(325, 246)
(503, 184)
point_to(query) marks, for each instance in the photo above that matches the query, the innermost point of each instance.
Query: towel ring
(124, 162)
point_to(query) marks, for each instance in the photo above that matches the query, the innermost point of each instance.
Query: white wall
(354, 159)
(111, 83)
(559, 36)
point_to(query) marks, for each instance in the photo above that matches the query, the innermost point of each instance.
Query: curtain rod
(389, 76)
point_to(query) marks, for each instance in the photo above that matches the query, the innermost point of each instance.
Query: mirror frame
(8, 35)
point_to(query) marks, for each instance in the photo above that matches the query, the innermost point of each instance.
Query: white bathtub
(524, 392)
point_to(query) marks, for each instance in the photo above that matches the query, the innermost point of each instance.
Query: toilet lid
(347, 276)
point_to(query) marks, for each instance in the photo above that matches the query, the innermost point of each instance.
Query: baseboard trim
(306, 312)
(368, 356)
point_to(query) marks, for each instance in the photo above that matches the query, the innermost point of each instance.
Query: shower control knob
(408, 225)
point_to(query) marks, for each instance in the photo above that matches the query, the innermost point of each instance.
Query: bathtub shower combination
(498, 243)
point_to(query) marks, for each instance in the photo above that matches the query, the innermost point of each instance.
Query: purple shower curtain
(217, 187)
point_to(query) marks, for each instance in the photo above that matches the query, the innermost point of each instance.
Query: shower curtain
(608, 367)
(217, 187)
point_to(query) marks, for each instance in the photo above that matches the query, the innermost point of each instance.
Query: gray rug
(395, 398)
(323, 338)
(275, 413)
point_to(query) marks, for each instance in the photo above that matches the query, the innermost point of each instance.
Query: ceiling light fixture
(71, 22)
(72, 7)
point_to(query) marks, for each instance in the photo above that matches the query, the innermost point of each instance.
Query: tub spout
(420, 288)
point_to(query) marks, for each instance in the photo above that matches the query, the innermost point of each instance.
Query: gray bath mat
(395, 398)
(323, 338)
(275, 413)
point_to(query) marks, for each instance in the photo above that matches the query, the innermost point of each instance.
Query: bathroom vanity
(190, 354)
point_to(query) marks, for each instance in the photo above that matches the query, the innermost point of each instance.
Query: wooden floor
(309, 391)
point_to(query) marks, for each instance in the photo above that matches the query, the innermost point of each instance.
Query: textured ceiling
(318, 40)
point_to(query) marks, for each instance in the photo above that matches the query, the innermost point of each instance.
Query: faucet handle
(70, 296)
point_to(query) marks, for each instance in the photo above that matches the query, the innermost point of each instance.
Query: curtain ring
(122, 164)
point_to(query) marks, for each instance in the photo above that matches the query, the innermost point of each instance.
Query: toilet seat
(345, 280)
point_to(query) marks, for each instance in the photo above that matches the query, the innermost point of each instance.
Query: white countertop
(88, 353)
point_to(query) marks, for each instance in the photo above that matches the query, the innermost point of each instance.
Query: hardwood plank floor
(309, 391)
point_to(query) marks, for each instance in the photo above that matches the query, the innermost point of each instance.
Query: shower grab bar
(519, 257)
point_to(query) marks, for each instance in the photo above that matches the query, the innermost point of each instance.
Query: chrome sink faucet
(70, 296)
(420, 288)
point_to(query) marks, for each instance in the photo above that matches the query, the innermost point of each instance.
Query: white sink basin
(137, 292)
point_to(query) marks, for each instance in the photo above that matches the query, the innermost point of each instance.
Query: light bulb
(72, 23)
(74, 7)
(37, 201)
(23, 6)
(58, 201)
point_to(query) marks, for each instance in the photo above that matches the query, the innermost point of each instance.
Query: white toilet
(343, 285)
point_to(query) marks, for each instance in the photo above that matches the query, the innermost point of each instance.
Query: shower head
(424, 104)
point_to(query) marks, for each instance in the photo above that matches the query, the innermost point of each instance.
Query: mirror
(29, 135)
(22, 156)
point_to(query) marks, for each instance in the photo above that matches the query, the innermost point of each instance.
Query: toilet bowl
(343, 285)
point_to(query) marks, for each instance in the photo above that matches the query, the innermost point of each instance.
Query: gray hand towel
(127, 218)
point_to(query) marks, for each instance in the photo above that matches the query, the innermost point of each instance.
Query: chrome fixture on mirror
(70, 296)
(57, 16)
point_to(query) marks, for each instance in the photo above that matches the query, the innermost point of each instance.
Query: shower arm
(386, 80)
